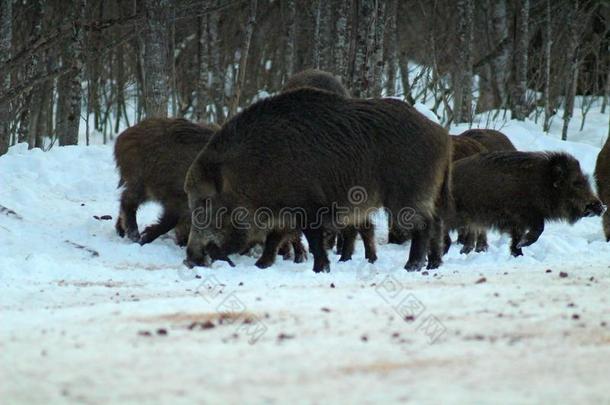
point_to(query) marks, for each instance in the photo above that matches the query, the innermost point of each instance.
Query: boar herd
(313, 161)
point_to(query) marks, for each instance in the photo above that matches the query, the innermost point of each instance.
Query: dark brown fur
(517, 192)
(492, 140)
(602, 179)
(316, 79)
(152, 158)
(330, 145)
(462, 147)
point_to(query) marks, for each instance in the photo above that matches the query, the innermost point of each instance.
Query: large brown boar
(303, 153)
(316, 79)
(602, 179)
(517, 192)
(152, 158)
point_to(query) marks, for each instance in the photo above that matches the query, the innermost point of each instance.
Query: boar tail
(446, 203)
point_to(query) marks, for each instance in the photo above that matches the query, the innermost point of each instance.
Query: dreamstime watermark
(231, 310)
(336, 216)
(404, 303)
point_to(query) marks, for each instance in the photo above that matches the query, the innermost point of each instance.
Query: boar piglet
(152, 158)
(517, 192)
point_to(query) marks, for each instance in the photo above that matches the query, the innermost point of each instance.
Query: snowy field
(88, 317)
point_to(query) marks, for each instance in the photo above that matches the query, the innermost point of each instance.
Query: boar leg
(182, 230)
(166, 223)
(419, 246)
(367, 233)
(469, 241)
(127, 223)
(606, 224)
(482, 245)
(284, 251)
(435, 246)
(532, 235)
(340, 243)
(272, 243)
(516, 234)
(300, 253)
(315, 238)
(348, 236)
(447, 242)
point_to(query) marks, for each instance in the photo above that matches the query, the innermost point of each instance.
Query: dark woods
(106, 64)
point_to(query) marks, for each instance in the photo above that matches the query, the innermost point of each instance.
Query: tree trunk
(326, 43)
(156, 45)
(377, 50)
(391, 46)
(217, 82)
(243, 58)
(360, 31)
(6, 38)
(548, 43)
(203, 68)
(500, 64)
(572, 62)
(341, 42)
(70, 92)
(519, 92)
(290, 37)
(462, 83)
(316, 10)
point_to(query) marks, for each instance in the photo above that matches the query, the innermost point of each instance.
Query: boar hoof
(119, 228)
(414, 266)
(345, 258)
(481, 248)
(434, 264)
(372, 259)
(466, 249)
(263, 264)
(325, 268)
(133, 235)
(516, 252)
(300, 258)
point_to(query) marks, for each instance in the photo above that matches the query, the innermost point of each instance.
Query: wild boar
(517, 192)
(492, 140)
(602, 180)
(333, 145)
(152, 158)
(316, 79)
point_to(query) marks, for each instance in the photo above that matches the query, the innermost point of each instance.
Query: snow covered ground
(88, 317)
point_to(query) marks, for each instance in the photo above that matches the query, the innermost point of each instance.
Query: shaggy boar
(516, 192)
(300, 155)
(152, 158)
(316, 79)
(602, 179)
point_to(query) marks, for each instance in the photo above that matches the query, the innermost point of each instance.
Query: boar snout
(596, 208)
(195, 258)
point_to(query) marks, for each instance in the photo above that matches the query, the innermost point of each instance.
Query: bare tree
(243, 58)
(341, 43)
(6, 38)
(462, 105)
(377, 59)
(204, 68)
(291, 33)
(548, 44)
(156, 45)
(69, 90)
(500, 64)
(391, 46)
(571, 61)
(519, 86)
(360, 47)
